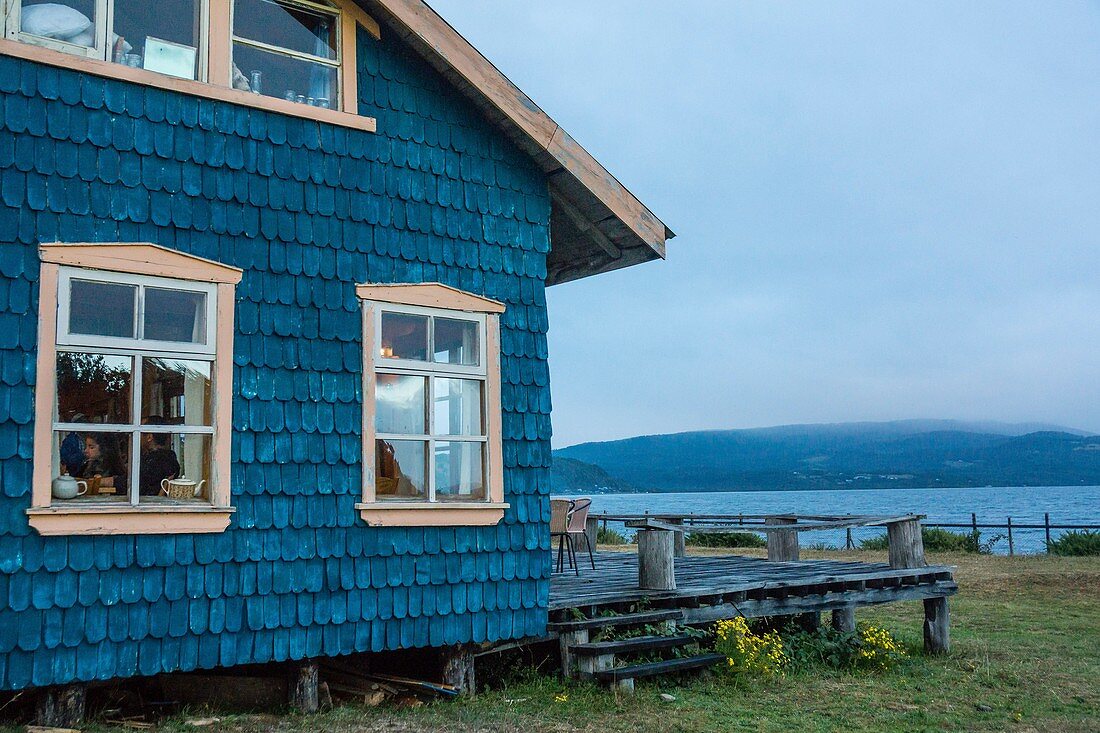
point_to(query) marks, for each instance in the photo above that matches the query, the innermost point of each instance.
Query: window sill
(109, 70)
(115, 520)
(409, 514)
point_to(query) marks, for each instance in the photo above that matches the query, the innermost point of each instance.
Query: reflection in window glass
(286, 50)
(93, 388)
(102, 309)
(175, 315)
(459, 472)
(72, 21)
(399, 404)
(456, 342)
(175, 392)
(295, 28)
(161, 36)
(404, 336)
(400, 469)
(457, 407)
(174, 468)
(92, 470)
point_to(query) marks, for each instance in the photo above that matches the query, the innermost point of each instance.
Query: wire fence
(999, 537)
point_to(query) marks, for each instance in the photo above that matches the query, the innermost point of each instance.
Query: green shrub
(938, 539)
(605, 536)
(726, 539)
(870, 647)
(1076, 543)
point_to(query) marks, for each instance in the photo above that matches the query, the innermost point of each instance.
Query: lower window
(132, 436)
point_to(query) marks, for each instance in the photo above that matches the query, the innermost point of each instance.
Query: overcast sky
(884, 210)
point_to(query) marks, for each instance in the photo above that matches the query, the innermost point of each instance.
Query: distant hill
(572, 477)
(902, 454)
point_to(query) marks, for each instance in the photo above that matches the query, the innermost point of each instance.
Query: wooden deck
(710, 588)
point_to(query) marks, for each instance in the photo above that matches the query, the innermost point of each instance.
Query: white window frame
(433, 299)
(335, 11)
(137, 349)
(431, 370)
(178, 349)
(153, 266)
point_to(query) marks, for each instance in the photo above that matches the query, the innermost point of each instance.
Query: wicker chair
(559, 527)
(576, 525)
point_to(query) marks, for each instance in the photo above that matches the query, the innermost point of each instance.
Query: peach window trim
(438, 514)
(135, 259)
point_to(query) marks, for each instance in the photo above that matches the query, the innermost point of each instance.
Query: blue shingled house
(273, 379)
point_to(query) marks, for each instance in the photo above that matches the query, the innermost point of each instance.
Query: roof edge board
(450, 48)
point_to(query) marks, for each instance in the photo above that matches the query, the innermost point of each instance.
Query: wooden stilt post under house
(303, 687)
(62, 706)
(458, 669)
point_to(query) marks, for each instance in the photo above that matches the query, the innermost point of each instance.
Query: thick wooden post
(782, 543)
(565, 643)
(458, 669)
(303, 687)
(656, 566)
(679, 547)
(61, 707)
(844, 619)
(906, 544)
(937, 626)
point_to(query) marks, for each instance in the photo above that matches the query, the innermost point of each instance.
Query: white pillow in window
(51, 20)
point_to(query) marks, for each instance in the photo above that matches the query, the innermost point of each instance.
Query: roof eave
(605, 206)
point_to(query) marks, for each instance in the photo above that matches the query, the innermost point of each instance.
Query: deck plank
(615, 580)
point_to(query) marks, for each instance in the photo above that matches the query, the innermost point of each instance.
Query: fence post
(848, 545)
(1046, 526)
(974, 525)
(1011, 547)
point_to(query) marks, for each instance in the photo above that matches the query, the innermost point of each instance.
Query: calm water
(1026, 505)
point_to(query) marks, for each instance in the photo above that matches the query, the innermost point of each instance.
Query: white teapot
(181, 488)
(67, 487)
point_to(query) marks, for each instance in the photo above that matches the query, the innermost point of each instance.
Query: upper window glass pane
(175, 315)
(102, 309)
(161, 36)
(93, 388)
(286, 25)
(456, 342)
(72, 21)
(404, 336)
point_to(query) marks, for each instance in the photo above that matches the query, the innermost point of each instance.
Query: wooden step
(626, 619)
(630, 646)
(651, 669)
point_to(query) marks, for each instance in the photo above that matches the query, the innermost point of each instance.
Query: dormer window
(295, 57)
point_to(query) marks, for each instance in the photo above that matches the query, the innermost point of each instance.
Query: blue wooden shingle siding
(307, 210)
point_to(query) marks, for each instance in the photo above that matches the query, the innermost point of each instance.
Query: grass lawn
(1025, 657)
